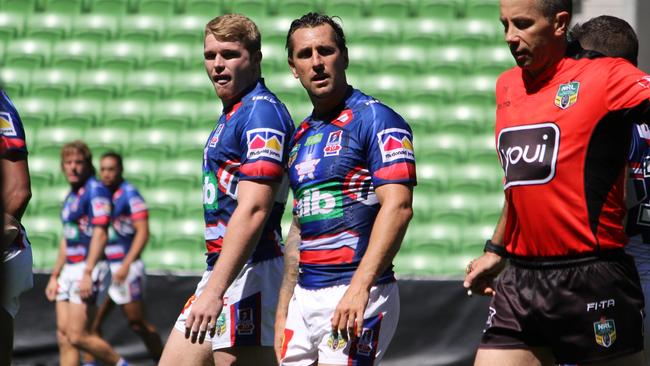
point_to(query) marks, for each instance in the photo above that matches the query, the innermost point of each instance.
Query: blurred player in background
(352, 171)
(570, 294)
(80, 277)
(15, 249)
(614, 37)
(127, 237)
(244, 193)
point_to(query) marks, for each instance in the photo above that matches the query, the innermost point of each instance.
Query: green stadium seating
(169, 56)
(168, 258)
(74, 54)
(477, 89)
(51, 139)
(474, 237)
(435, 237)
(70, 7)
(418, 263)
(376, 31)
(425, 32)
(184, 233)
(35, 112)
(390, 8)
(348, 10)
(44, 257)
(476, 32)
(274, 58)
(100, 83)
(481, 149)
(43, 231)
(180, 173)
(49, 199)
(453, 207)
(15, 80)
(274, 29)
(78, 112)
(363, 58)
(53, 83)
(153, 142)
(441, 147)
(192, 86)
(460, 118)
(156, 7)
(403, 59)
(492, 60)
(450, 60)
(478, 178)
(388, 88)
(147, 84)
(207, 113)
(252, 8)
(28, 52)
(120, 55)
(191, 143)
(203, 7)
(163, 203)
(173, 114)
(432, 176)
(185, 28)
(431, 89)
(11, 25)
(141, 28)
(489, 207)
(442, 9)
(125, 112)
(422, 205)
(483, 9)
(43, 171)
(116, 7)
(193, 204)
(285, 87)
(294, 8)
(94, 27)
(140, 172)
(418, 115)
(101, 140)
(19, 6)
(47, 26)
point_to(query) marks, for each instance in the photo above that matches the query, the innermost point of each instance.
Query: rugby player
(352, 170)
(15, 248)
(80, 277)
(244, 193)
(569, 294)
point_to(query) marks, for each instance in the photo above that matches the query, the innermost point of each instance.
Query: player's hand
(120, 275)
(86, 286)
(481, 273)
(51, 288)
(280, 322)
(347, 321)
(203, 317)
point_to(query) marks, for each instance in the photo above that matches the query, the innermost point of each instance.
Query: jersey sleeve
(627, 87)
(137, 206)
(265, 142)
(100, 206)
(12, 132)
(389, 143)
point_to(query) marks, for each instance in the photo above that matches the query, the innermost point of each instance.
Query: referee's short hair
(611, 36)
(551, 7)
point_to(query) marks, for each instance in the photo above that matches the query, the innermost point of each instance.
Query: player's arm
(140, 239)
(16, 193)
(52, 284)
(289, 280)
(254, 203)
(98, 242)
(388, 230)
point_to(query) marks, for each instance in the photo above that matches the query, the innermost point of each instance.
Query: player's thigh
(180, 351)
(245, 356)
(514, 357)
(635, 359)
(62, 309)
(79, 319)
(133, 311)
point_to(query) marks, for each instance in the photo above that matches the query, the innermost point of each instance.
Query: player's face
(534, 40)
(230, 66)
(318, 62)
(109, 171)
(75, 168)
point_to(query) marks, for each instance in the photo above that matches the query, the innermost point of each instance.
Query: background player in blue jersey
(352, 170)
(15, 250)
(80, 277)
(244, 193)
(614, 37)
(127, 237)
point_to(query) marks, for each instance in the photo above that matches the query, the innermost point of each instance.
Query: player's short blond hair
(78, 147)
(236, 28)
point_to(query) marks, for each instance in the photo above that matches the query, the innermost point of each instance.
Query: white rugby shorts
(308, 332)
(132, 289)
(18, 278)
(68, 283)
(248, 314)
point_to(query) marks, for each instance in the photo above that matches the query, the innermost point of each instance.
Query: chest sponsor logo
(265, 142)
(7, 127)
(395, 144)
(314, 139)
(605, 332)
(319, 203)
(567, 95)
(209, 191)
(644, 82)
(333, 146)
(306, 169)
(215, 136)
(101, 206)
(528, 154)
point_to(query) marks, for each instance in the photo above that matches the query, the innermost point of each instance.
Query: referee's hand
(481, 273)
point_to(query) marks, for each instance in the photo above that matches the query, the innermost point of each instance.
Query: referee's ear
(561, 23)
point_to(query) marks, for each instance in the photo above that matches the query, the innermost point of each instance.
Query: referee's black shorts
(584, 309)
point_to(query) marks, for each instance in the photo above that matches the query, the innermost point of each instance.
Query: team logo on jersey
(365, 344)
(7, 127)
(101, 206)
(335, 342)
(228, 179)
(70, 231)
(528, 154)
(306, 169)
(395, 144)
(319, 203)
(265, 142)
(245, 325)
(644, 82)
(358, 186)
(567, 94)
(221, 325)
(210, 191)
(215, 136)
(314, 139)
(333, 146)
(293, 154)
(605, 332)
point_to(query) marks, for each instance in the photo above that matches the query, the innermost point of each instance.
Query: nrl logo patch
(221, 325)
(335, 342)
(605, 332)
(567, 95)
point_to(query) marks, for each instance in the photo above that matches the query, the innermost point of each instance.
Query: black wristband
(499, 250)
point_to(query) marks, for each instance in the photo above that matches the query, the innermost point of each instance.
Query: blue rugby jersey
(128, 206)
(12, 141)
(334, 167)
(83, 209)
(249, 142)
(638, 217)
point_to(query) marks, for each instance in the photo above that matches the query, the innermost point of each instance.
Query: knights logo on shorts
(364, 347)
(221, 325)
(605, 332)
(335, 342)
(567, 95)
(245, 324)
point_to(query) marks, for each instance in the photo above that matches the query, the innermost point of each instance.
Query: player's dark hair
(311, 20)
(611, 36)
(114, 155)
(551, 7)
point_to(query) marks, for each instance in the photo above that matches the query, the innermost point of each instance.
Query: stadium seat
(418, 263)
(453, 208)
(15, 80)
(492, 60)
(43, 170)
(440, 238)
(168, 259)
(432, 176)
(163, 203)
(274, 29)
(71, 7)
(477, 89)
(294, 8)
(450, 60)
(153, 142)
(207, 113)
(117, 7)
(475, 178)
(173, 114)
(74, 54)
(94, 27)
(363, 58)
(442, 9)
(78, 113)
(192, 86)
(425, 32)
(406, 59)
(483, 9)
(156, 7)
(180, 173)
(460, 118)
(285, 87)
(28, 53)
(140, 172)
(441, 147)
(193, 204)
(473, 239)
(489, 207)
(390, 8)
(348, 10)
(390, 89)
(43, 231)
(147, 84)
(49, 199)
(19, 6)
(51, 139)
(12, 25)
(191, 143)
(120, 55)
(376, 31)
(431, 89)
(481, 149)
(419, 116)
(37, 111)
(101, 140)
(100, 83)
(168, 56)
(125, 112)
(141, 28)
(274, 58)
(252, 8)
(422, 205)
(185, 233)
(44, 257)
(476, 32)
(203, 7)
(47, 26)
(53, 83)
(184, 28)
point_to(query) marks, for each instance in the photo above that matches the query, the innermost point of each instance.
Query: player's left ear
(257, 57)
(561, 23)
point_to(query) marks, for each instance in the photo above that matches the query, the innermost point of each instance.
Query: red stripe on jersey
(13, 144)
(140, 215)
(398, 171)
(304, 126)
(75, 258)
(262, 168)
(328, 256)
(100, 220)
(233, 110)
(214, 246)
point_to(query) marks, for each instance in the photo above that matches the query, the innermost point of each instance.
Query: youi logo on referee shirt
(528, 154)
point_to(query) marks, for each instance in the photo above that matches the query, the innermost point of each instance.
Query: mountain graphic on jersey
(6, 125)
(265, 142)
(395, 144)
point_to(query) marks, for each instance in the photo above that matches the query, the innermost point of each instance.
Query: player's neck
(324, 106)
